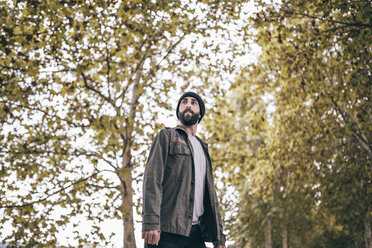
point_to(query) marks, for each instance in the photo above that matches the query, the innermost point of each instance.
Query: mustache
(188, 110)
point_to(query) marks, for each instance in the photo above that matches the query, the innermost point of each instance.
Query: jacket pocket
(179, 160)
(178, 149)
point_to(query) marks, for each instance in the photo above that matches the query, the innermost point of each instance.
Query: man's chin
(189, 118)
(189, 121)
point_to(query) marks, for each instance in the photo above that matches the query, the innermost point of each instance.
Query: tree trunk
(127, 210)
(285, 238)
(268, 242)
(367, 230)
(283, 218)
(126, 170)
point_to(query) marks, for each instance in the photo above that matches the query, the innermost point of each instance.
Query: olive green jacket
(168, 188)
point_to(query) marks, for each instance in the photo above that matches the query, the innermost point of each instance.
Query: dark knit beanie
(198, 98)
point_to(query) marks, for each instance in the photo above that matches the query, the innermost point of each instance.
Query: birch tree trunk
(126, 170)
(268, 240)
(367, 230)
(127, 210)
(285, 238)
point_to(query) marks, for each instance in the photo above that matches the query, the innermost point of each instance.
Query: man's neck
(190, 129)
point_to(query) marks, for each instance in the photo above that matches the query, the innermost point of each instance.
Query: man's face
(189, 111)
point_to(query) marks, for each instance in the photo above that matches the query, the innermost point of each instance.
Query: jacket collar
(180, 128)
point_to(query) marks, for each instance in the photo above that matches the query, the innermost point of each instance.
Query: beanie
(197, 97)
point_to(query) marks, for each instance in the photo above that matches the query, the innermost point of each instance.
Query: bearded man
(180, 205)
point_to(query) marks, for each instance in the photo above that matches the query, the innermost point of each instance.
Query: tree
(237, 114)
(81, 85)
(315, 66)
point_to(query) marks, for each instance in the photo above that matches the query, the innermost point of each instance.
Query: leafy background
(85, 86)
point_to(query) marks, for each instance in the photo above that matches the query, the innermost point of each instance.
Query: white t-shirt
(200, 171)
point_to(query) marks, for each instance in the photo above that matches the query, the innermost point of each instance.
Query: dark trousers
(170, 240)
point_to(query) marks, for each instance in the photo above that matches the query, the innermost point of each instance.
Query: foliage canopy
(82, 85)
(294, 133)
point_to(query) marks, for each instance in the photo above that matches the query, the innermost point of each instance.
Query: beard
(188, 120)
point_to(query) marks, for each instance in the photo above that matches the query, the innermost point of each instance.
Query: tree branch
(101, 187)
(360, 137)
(48, 195)
(46, 113)
(356, 24)
(107, 99)
(170, 50)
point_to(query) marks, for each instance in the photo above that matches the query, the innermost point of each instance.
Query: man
(180, 205)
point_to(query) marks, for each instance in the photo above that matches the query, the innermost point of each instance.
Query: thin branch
(133, 28)
(122, 95)
(13, 68)
(107, 57)
(97, 91)
(108, 71)
(170, 50)
(101, 187)
(109, 163)
(345, 118)
(356, 24)
(25, 34)
(56, 71)
(51, 194)
(45, 112)
(135, 72)
(76, 153)
(359, 136)
(144, 57)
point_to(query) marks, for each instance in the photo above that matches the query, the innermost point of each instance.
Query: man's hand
(221, 246)
(151, 237)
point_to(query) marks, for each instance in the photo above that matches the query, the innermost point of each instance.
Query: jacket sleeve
(152, 182)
